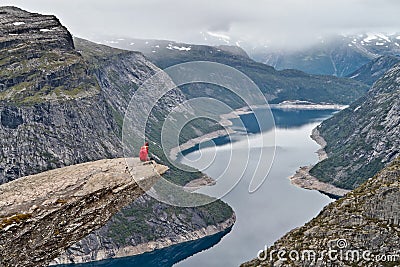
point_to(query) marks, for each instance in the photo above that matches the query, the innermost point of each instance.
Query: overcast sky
(277, 21)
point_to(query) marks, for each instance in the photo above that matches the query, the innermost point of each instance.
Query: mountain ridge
(276, 85)
(372, 71)
(339, 55)
(363, 138)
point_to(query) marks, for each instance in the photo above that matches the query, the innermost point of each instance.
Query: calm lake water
(263, 216)
(277, 207)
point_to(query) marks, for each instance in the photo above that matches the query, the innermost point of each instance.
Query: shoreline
(225, 122)
(173, 154)
(199, 183)
(129, 251)
(303, 179)
(286, 106)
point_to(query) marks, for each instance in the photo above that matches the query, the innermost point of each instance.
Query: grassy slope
(362, 139)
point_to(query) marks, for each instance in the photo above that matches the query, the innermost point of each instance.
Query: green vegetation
(362, 139)
(128, 222)
(277, 85)
(17, 218)
(49, 75)
(138, 220)
(216, 212)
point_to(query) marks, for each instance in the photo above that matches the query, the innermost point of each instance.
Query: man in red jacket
(144, 152)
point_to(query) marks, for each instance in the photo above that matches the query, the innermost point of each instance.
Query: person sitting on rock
(144, 152)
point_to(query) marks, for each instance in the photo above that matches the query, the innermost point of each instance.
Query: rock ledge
(42, 214)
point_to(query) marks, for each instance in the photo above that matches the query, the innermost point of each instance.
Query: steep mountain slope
(339, 56)
(363, 138)
(61, 106)
(276, 85)
(38, 60)
(372, 71)
(52, 111)
(361, 226)
(68, 108)
(146, 225)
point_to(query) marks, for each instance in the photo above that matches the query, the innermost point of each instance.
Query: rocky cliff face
(62, 105)
(67, 108)
(165, 226)
(38, 60)
(52, 112)
(363, 138)
(55, 134)
(120, 72)
(365, 223)
(42, 214)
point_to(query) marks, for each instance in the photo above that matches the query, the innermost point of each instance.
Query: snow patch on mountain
(384, 37)
(220, 36)
(370, 37)
(180, 48)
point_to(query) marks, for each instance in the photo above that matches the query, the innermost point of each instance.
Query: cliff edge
(43, 214)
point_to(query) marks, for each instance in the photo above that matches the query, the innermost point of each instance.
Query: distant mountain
(149, 46)
(372, 71)
(363, 138)
(339, 56)
(277, 86)
(361, 225)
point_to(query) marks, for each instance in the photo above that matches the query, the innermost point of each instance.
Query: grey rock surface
(42, 214)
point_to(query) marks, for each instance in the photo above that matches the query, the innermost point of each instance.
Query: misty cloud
(283, 22)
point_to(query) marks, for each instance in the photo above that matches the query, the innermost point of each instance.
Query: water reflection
(162, 257)
(277, 206)
(283, 119)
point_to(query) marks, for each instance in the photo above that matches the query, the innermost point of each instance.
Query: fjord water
(277, 207)
(263, 216)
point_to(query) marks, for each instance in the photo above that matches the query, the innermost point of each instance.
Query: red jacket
(144, 153)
